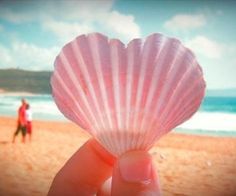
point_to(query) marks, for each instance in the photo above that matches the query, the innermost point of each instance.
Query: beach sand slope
(186, 164)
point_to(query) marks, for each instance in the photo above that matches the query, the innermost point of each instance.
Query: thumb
(134, 174)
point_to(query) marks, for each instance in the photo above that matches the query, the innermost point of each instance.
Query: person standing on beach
(21, 122)
(29, 121)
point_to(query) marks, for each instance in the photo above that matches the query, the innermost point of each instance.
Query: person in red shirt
(21, 121)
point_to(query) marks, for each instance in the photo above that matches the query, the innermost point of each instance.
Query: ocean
(216, 116)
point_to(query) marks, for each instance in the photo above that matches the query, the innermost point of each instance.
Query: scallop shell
(127, 97)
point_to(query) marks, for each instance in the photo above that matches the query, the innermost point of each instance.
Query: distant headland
(17, 80)
(38, 82)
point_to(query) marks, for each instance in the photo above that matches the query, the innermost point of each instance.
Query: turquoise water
(219, 104)
(216, 116)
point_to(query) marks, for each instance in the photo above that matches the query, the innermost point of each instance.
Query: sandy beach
(187, 165)
(14, 93)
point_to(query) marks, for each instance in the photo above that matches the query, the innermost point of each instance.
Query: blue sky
(33, 32)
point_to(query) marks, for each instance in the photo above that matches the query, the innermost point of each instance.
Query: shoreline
(202, 123)
(183, 162)
(181, 131)
(20, 93)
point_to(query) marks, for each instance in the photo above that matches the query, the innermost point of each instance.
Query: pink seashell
(127, 97)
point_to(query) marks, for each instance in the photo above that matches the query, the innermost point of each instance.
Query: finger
(134, 174)
(105, 190)
(85, 172)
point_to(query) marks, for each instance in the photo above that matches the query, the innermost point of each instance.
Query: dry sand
(187, 165)
(15, 93)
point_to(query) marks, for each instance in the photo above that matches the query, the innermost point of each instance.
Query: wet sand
(187, 165)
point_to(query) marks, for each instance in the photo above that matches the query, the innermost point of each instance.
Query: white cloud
(67, 19)
(217, 61)
(219, 73)
(27, 56)
(206, 47)
(183, 22)
(66, 31)
(77, 10)
(122, 24)
(81, 17)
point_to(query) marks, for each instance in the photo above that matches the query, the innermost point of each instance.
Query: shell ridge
(119, 76)
(171, 76)
(69, 72)
(147, 66)
(119, 50)
(185, 79)
(78, 88)
(99, 61)
(192, 107)
(133, 55)
(129, 77)
(163, 69)
(142, 72)
(115, 75)
(155, 85)
(198, 94)
(175, 82)
(94, 98)
(74, 117)
(114, 52)
(57, 77)
(93, 47)
(83, 67)
(153, 78)
(183, 116)
(177, 69)
(68, 92)
(129, 81)
(122, 70)
(144, 51)
(65, 88)
(184, 101)
(106, 142)
(93, 40)
(178, 106)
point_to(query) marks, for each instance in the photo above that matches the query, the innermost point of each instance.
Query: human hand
(88, 171)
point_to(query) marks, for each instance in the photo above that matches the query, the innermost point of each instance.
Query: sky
(32, 33)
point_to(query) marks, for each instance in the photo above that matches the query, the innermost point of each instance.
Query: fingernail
(136, 167)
